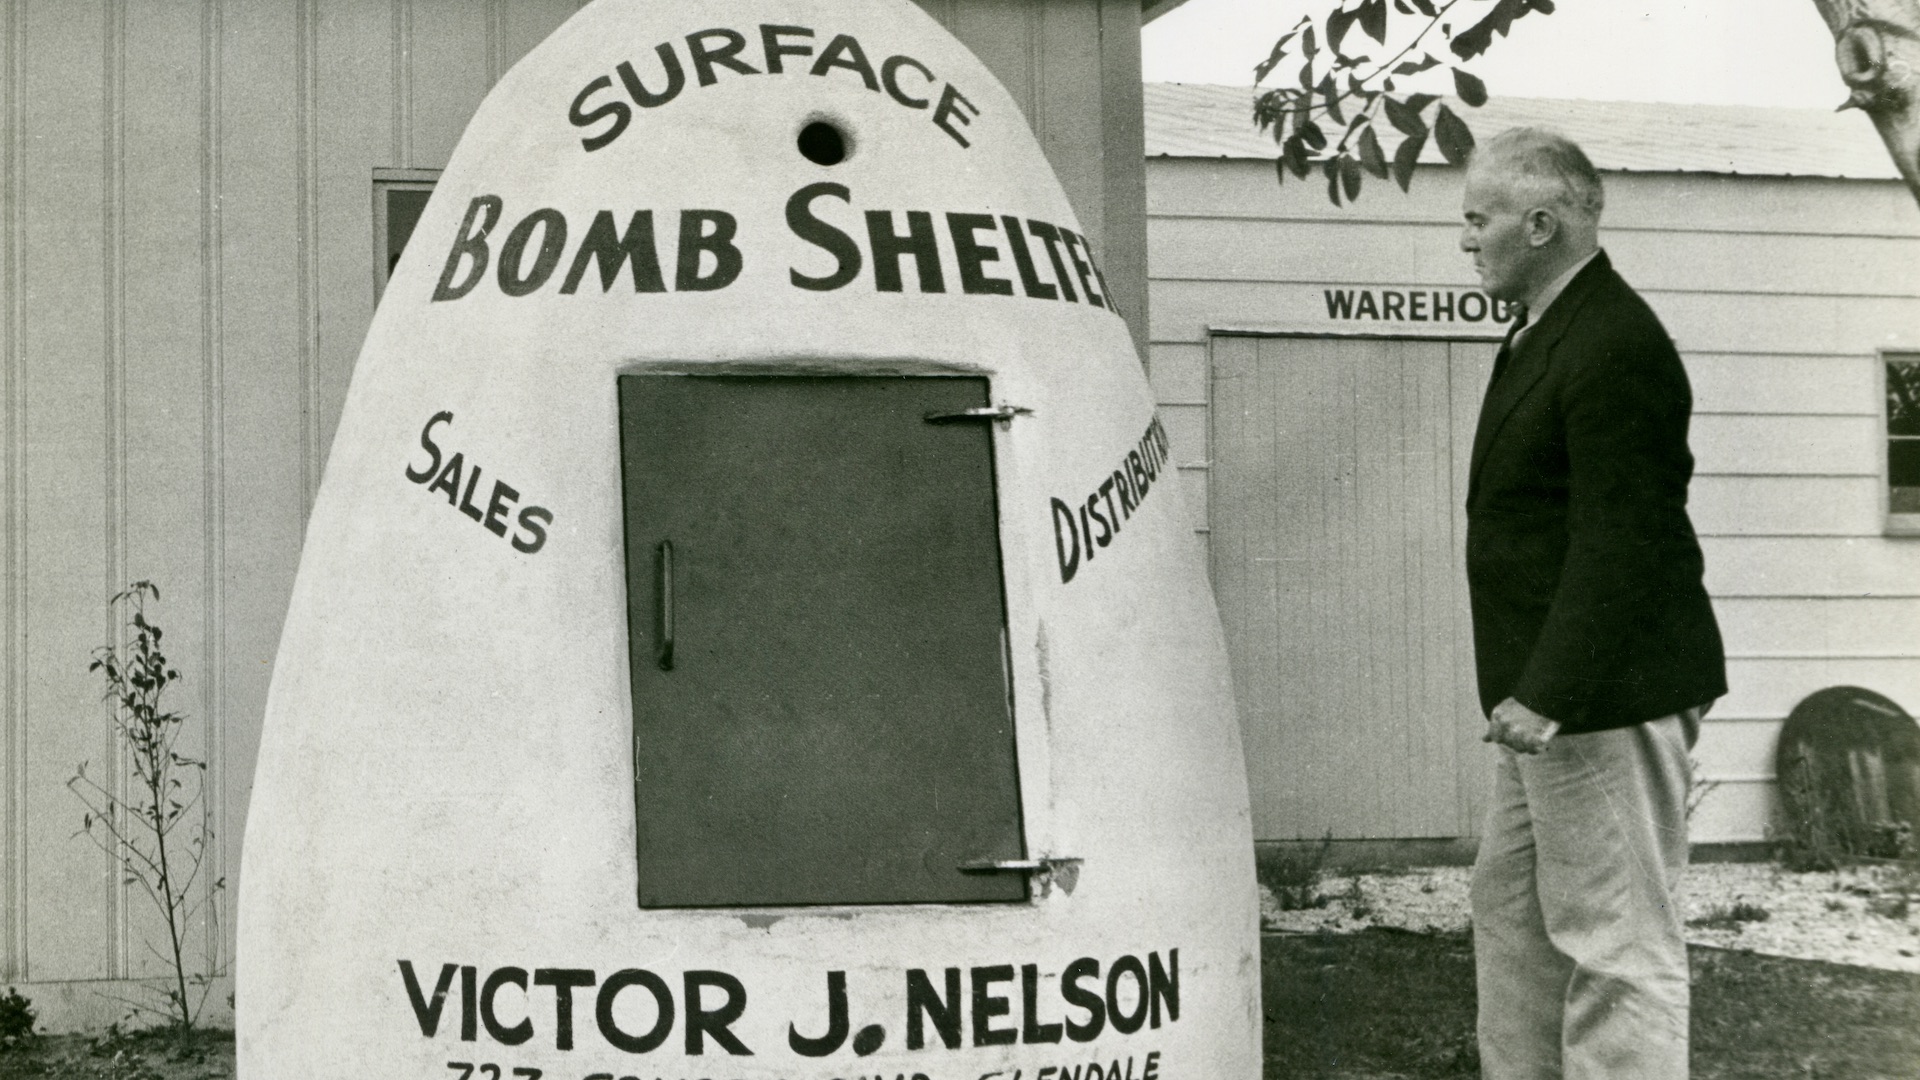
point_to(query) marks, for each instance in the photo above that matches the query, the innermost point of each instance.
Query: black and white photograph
(960, 539)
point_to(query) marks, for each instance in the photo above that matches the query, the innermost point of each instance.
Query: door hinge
(1046, 870)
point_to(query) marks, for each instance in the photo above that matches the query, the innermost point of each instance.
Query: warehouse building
(1320, 368)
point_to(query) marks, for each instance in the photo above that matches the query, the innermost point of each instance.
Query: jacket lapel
(1528, 361)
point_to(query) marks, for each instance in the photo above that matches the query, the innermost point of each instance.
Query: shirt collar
(1537, 305)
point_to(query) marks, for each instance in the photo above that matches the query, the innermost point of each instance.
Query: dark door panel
(834, 726)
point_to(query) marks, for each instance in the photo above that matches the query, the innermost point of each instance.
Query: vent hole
(822, 143)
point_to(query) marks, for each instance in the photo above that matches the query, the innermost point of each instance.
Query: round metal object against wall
(1849, 772)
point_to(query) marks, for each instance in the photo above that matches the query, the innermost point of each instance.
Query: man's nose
(1467, 242)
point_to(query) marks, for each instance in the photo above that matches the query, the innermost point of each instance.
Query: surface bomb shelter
(746, 628)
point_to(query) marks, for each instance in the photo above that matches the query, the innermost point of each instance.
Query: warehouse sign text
(1395, 309)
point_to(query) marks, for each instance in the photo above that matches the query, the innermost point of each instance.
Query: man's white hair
(1545, 168)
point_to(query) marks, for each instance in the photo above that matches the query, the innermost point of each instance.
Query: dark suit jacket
(1582, 565)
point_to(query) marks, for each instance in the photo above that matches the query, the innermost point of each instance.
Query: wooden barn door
(1339, 467)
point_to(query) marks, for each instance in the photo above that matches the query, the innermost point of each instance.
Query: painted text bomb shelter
(1322, 369)
(744, 627)
(202, 203)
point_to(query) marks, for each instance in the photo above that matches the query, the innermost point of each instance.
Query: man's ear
(1542, 226)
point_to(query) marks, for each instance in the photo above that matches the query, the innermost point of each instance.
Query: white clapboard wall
(1780, 292)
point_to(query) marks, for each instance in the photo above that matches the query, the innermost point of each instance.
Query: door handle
(663, 610)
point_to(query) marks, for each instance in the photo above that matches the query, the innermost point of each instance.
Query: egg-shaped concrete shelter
(745, 628)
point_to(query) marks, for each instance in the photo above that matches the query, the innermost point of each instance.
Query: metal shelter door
(821, 702)
(1338, 477)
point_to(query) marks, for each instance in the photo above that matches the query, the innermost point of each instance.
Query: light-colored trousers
(1578, 941)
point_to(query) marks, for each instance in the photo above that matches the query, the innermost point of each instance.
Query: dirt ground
(1864, 916)
(203, 1055)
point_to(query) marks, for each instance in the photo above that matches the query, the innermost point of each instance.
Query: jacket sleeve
(1625, 406)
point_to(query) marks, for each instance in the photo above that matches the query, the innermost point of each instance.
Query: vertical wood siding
(186, 272)
(1778, 292)
(13, 454)
(1334, 562)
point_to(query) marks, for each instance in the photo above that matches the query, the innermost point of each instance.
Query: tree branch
(1385, 68)
(1877, 49)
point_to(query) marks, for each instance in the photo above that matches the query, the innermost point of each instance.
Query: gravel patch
(1865, 917)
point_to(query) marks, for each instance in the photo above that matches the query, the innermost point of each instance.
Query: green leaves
(1469, 87)
(1373, 19)
(1343, 177)
(1326, 113)
(1479, 37)
(1456, 142)
(1405, 158)
(1350, 177)
(1403, 115)
(1279, 52)
(1371, 157)
(1331, 98)
(1296, 158)
(1371, 16)
(1338, 23)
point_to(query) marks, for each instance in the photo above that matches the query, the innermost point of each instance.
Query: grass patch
(1730, 916)
(155, 1054)
(1379, 1001)
(1769, 1016)
(1384, 1003)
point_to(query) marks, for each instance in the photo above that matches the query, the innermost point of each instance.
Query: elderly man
(1596, 647)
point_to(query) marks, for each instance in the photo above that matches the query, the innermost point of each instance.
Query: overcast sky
(1734, 52)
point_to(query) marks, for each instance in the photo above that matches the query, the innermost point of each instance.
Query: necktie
(1506, 347)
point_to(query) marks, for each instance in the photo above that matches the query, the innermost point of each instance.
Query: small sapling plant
(1294, 875)
(154, 824)
(1698, 788)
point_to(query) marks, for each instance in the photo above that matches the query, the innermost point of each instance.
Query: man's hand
(1519, 728)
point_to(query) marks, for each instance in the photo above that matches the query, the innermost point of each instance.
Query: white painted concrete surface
(445, 775)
